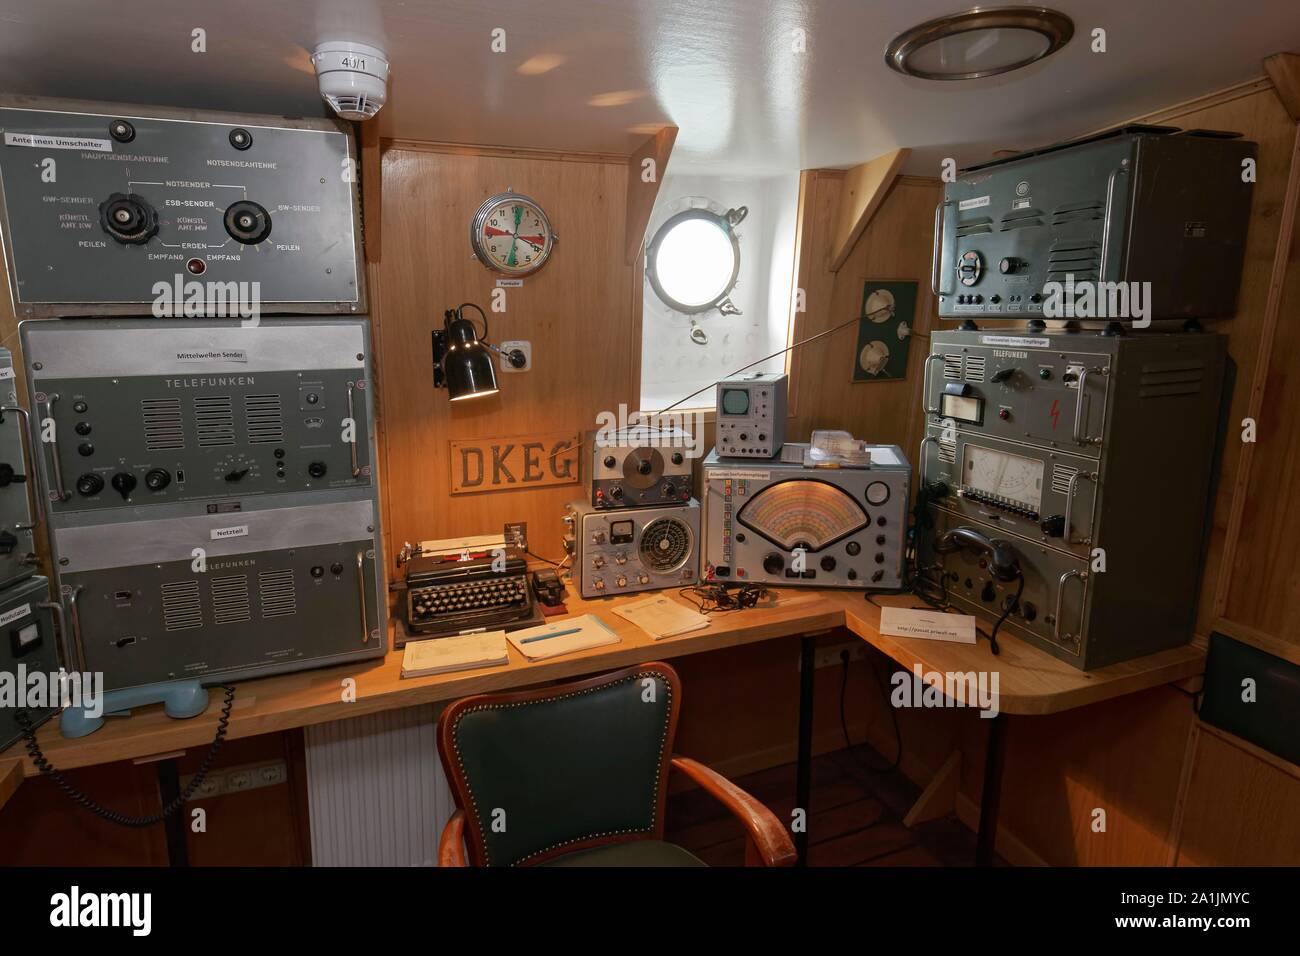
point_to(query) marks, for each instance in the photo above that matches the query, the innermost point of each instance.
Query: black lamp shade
(468, 369)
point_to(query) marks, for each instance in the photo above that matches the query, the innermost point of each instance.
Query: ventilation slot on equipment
(1061, 475)
(1021, 219)
(263, 419)
(182, 608)
(974, 368)
(975, 227)
(1169, 380)
(1079, 259)
(215, 420)
(277, 593)
(947, 451)
(952, 367)
(1077, 212)
(164, 429)
(230, 599)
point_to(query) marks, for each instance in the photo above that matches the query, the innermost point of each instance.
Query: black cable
(470, 305)
(554, 564)
(1006, 613)
(112, 816)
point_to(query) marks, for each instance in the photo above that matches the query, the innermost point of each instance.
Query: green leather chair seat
(632, 853)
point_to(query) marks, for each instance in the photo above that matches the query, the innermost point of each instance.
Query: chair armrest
(767, 838)
(451, 846)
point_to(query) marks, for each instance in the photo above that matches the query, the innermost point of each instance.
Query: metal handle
(1105, 220)
(356, 465)
(1079, 437)
(925, 384)
(74, 651)
(1060, 595)
(920, 460)
(361, 593)
(57, 468)
(1069, 502)
(935, 260)
(33, 508)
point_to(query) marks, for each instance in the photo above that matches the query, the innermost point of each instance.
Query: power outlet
(829, 656)
(238, 779)
(522, 346)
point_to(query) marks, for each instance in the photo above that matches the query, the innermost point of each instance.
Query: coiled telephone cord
(112, 816)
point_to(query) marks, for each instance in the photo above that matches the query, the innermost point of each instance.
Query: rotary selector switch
(970, 267)
(128, 218)
(247, 222)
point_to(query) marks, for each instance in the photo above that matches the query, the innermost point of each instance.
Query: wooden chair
(577, 775)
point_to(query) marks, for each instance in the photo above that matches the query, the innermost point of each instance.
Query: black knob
(644, 466)
(8, 476)
(853, 548)
(128, 219)
(247, 222)
(610, 462)
(828, 563)
(616, 493)
(316, 469)
(236, 474)
(937, 489)
(82, 428)
(1009, 266)
(677, 458)
(1002, 374)
(773, 563)
(669, 490)
(157, 479)
(1053, 527)
(85, 449)
(89, 484)
(123, 483)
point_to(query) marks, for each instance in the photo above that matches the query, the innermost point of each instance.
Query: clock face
(511, 234)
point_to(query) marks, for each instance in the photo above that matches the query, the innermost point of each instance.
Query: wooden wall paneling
(641, 192)
(371, 189)
(1283, 70)
(1241, 809)
(574, 310)
(865, 187)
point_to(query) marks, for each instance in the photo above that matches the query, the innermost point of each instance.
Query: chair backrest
(544, 772)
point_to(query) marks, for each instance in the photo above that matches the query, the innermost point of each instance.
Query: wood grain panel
(575, 311)
(1240, 810)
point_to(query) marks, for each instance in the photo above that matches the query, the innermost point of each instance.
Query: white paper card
(929, 625)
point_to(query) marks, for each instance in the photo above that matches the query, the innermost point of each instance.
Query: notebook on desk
(562, 637)
(443, 654)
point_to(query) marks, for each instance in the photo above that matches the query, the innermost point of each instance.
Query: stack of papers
(662, 617)
(463, 653)
(562, 637)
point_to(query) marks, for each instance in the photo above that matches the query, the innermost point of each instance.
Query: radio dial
(598, 584)
(89, 485)
(773, 563)
(157, 479)
(621, 581)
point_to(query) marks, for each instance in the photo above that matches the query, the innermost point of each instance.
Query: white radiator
(376, 791)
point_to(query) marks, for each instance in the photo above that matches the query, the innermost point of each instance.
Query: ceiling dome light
(984, 41)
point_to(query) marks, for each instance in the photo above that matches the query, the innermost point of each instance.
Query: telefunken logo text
(193, 299)
(102, 910)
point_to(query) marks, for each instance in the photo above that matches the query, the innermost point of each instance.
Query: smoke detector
(353, 77)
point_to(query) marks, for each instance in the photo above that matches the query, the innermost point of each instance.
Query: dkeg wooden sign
(509, 464)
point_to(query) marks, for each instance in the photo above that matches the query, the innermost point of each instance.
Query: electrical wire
(470, 305)
(1006, 612)
(47, 769)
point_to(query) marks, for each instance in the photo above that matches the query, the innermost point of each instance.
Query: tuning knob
(157, 479)
(123, 483)
(128, 219)
(1053, 527)
(89, 485)
(1009, 266)
(773, 563)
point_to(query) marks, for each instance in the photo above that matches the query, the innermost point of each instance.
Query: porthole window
(693, 260)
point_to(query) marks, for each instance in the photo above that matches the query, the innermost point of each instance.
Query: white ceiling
(721, 70)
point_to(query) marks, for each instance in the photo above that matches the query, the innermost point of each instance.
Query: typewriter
(454, 593)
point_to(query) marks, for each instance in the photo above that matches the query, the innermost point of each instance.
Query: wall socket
(829, 656)
(237, 779)
(522, 346)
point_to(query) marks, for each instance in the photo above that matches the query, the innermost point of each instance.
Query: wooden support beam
(864, 190)
(1283, 70)
(641, 190)
(939, 798)
(11, 775)
(371, 188)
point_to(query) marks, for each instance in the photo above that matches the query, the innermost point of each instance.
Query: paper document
(561, 637)
(930, 625)
(662, 617)
(442, 654)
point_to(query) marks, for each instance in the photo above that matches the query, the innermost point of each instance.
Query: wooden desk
(1030, 681)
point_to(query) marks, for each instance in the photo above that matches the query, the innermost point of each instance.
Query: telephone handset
(1002, 556)
(1003, 564)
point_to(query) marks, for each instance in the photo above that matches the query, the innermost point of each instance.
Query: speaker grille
(1061, 475)
(974, 368)
(278, 595)
(952, 366)
(164, 429)
(182, 606)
